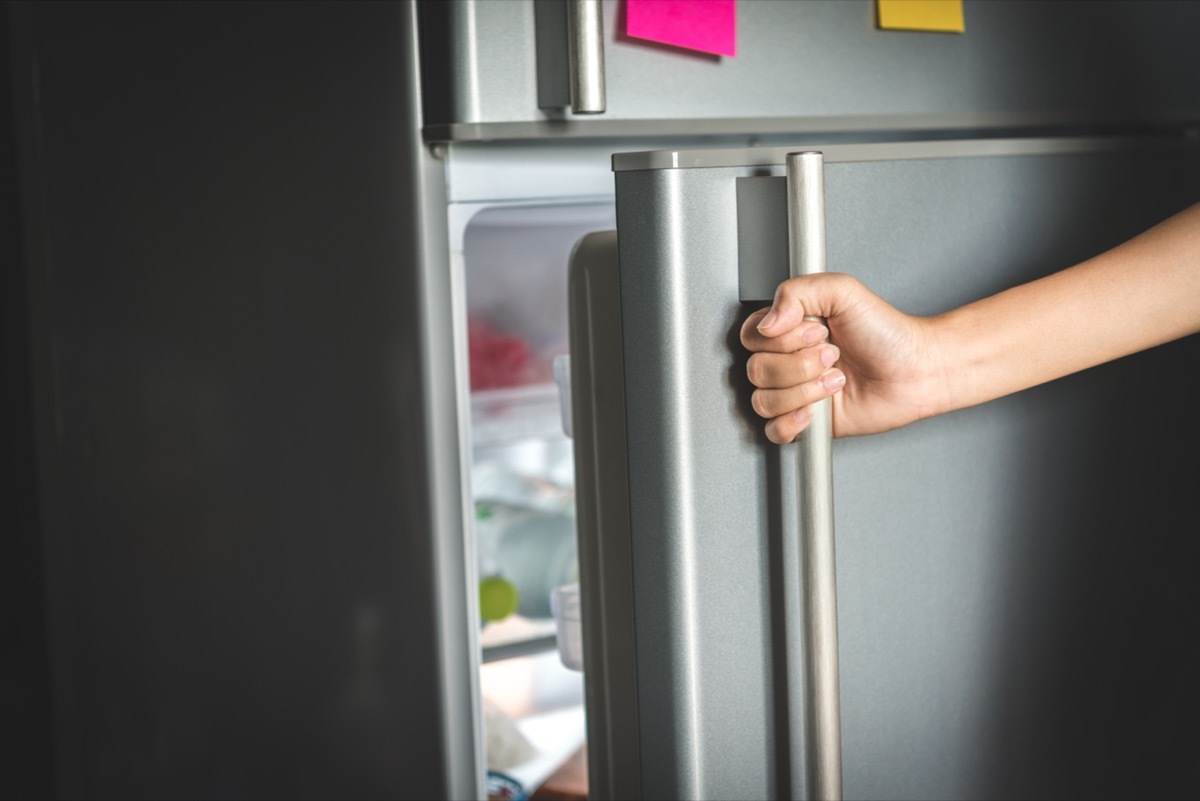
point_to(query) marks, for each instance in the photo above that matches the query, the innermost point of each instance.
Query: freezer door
(1013, 579)
(503, 68)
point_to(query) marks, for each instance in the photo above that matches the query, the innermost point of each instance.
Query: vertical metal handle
(822, 713)
(585, 45)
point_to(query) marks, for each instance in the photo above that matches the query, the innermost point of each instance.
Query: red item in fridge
(497, 359)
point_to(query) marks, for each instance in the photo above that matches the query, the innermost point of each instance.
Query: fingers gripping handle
(822, 712)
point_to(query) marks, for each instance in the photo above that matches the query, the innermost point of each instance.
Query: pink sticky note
(709, 26)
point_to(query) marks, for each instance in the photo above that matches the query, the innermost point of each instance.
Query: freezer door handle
(585, 45)
(821, 695)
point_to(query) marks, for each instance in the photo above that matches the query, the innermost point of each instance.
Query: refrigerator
(360, 335)
(990, 644)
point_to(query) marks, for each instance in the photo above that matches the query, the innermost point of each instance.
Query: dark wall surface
(224, 350)
(25, 744)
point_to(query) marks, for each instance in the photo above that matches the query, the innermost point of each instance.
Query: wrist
(954, 380)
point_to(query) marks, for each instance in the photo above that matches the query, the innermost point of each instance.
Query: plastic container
(562, 377)
(502, 787)
(564, 602)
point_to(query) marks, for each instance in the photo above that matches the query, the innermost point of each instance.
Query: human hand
(881, 367)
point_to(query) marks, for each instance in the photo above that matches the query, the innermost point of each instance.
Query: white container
(564, 602)
(562, 376)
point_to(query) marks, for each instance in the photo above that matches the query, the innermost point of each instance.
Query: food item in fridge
(507, 746)
(534, 549)
(497, 359)
(502, 787)
(498, 598)
(564, 603)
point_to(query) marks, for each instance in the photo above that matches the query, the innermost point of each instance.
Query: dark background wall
(25, 744)
(213, 430)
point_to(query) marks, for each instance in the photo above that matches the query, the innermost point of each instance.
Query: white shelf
(503, 416)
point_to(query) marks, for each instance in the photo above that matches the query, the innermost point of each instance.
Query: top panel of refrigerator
(496, 69)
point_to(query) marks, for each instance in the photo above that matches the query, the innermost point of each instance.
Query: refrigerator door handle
(585, 45)
(822, 714)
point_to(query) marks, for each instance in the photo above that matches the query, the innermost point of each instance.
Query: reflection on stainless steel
(822, 724)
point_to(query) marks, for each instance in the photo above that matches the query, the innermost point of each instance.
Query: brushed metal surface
(602, 514)
(983, 652)
(805, 176)
(734, 156)
(553, 54)
(585, 46)
(827, 58)
(478, 57)
(700, 548)
(760, 131)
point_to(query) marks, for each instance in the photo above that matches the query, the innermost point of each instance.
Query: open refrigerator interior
(512, 256)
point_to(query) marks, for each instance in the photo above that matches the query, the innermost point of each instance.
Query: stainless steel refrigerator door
(1014, 579)
(501, 69)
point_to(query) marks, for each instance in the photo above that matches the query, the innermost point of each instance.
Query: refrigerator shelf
(501, 643)
(512, 414)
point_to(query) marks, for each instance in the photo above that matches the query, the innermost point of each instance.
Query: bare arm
(884, 369)
(1139, 294)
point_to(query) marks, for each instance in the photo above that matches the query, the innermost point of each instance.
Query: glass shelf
(513, 414)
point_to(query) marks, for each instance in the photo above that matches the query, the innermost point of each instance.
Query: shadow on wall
(1098, 692)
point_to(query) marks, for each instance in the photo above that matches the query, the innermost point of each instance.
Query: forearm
(1140, 294)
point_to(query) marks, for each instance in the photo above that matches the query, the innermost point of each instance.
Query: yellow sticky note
(922, 15)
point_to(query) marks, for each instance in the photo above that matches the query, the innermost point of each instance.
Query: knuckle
(761, 403)
(756, 370)
(813, 366)
(749, 331)
(843, 283)
(787, 290)
(778, 432)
